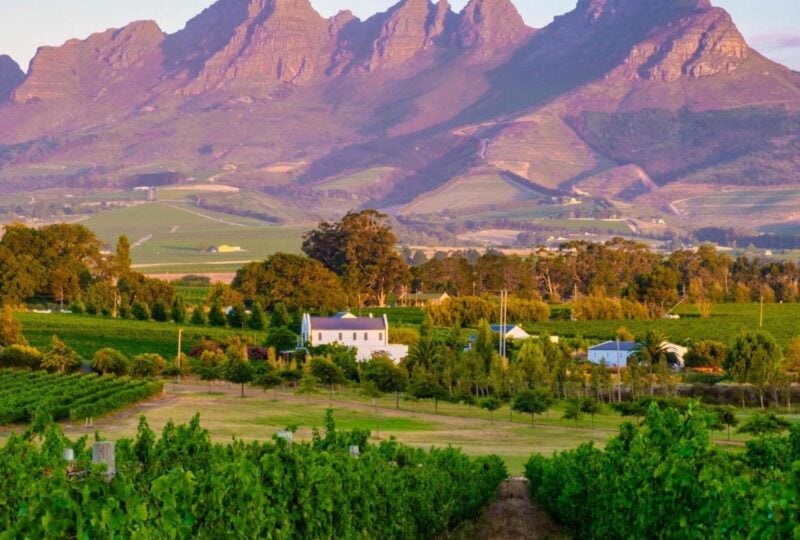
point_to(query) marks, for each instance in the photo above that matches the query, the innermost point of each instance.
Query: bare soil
(514, 515)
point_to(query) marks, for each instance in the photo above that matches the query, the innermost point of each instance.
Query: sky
(771, 26)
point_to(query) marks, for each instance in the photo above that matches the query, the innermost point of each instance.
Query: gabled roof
(624, 346)
(347, 324)
(498, 328)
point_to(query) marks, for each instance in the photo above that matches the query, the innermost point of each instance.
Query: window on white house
(380, 336)
(340, 337)
(319, 337)
(355, 336)
(366, 336)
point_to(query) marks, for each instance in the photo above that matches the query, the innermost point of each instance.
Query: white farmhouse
(368, 335)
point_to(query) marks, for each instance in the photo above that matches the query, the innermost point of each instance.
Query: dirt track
(514, 515)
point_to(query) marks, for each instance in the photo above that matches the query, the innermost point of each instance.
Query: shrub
(147, 365)
(21, 356)
(140, 311)
(110, 361)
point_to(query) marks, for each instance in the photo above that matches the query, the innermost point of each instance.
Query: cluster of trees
(620, 269)
(64, 264)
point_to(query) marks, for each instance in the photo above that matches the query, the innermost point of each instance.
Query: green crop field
(176, 237)
(726, 322)
(87, 334)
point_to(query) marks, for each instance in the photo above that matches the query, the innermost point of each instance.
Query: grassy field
(260, 415)
(88, 334)
(176, 236)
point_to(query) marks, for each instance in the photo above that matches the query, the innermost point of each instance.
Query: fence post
(103, 452)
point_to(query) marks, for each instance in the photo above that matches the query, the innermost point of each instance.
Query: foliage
(667, 480)
(147, 365)
(294, 281)
(10, 329)
(361, 249)
(173, 486)
(216, 317)
(281, 339)
(199, 317)
(762, 424)
(23, 394)
(110, 361)
(160, 312)
(755, 358)
(178, 310)
(140, 311)
(706, 354)
(20, 356)
(258, 319)
(60, 357)
(533, 402)
(237, 316)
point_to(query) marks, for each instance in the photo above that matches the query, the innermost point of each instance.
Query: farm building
(368, 335)
(616, 354)
(512, 331)
(419, 299)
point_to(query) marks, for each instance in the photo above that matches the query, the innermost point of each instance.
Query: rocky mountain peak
(261, 42)
(11, 75)
(495, 22)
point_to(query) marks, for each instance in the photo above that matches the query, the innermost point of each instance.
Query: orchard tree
(386, 375)
(199, 317)
(240, 372)
(425, 385)
(490, 404)
(178, 311)
(327, 372)
(257, 319)
(533, 402)
(216, 317)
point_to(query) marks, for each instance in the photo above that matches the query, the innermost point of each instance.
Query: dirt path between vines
(514, 515)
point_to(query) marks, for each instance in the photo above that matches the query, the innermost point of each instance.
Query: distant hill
(625, 104)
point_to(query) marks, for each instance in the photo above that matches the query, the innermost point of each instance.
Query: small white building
(368, 335)
(512, 332)
(615, 354)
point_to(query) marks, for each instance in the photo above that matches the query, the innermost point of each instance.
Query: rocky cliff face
(261, 42)
(124, 61)
(10, 76)
(495, 23)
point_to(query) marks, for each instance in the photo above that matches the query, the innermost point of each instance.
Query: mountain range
(654, 110)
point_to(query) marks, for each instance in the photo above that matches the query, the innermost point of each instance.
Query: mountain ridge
(430, 96)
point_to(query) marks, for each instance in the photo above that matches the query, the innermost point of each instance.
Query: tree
(110, 360)
(60, 357)
(490, 404)
(178, 311)
(281, 339)
(532, 402)
(268, 379)
(725, 417)
(147, 365)
(257, 319)
(199, 316)
(706, 354)
(215, 315)
(652, 352)
(424, 385)
(755, 358)
(762, 424)
(160, 312)
(140, 311)
(10, 329)
(237, 316)
(210, 365)
(591, 407)
(121, 263)
(327, 372)
(573, 411)
(20, 356)
(361, 248)
(297, 282)
(239, 372)
(280, 316)
(386, 375)
(308, 385)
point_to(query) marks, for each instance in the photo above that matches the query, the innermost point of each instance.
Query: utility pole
(503, 321)
(178, 359)
(619, 375)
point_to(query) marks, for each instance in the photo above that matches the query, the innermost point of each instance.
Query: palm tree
(652, 352)
(425, 353)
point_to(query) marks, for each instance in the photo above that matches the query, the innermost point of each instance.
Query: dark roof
(496, 328)
(612, 346)
(359, 323)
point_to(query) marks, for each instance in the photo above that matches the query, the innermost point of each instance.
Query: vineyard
(181, 485)
(668, 480)
(25, 394)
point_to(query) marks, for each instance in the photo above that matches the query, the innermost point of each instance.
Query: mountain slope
(668, 89)
(10, 76)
